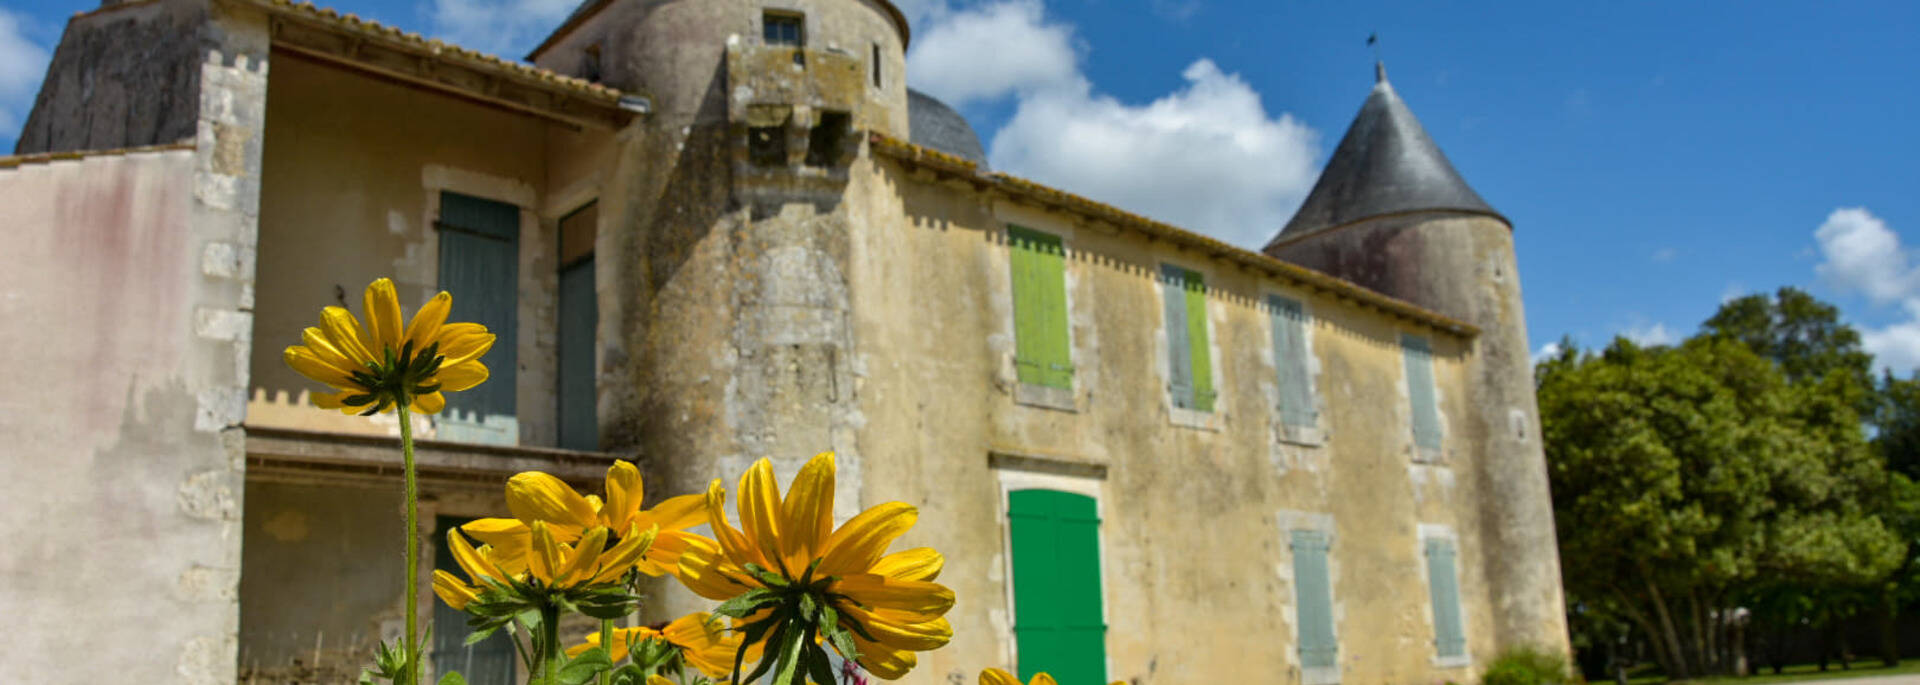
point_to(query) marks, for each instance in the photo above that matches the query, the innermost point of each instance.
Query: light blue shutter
(480, 266)
(579, 316)
(1313, 599)
(1179, 356)
(1290, 361)
(1449, 639)
(1420, 390)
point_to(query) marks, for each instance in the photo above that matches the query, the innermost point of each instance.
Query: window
(767, 145)
(487, 662)
(480, 265)
(1042, 352)
(1190, 361)
(876, 65)
(1313, 605)
(826, 138)
(783, 28)
(1421, 393)
(1290, 363)
(1443, 586)
(576, 403)
(1059, 625)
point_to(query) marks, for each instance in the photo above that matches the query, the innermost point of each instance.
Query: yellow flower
(702, 642)
(554, 565)
(535, 496)
(373, 368)
(994, 676)
(888, 597)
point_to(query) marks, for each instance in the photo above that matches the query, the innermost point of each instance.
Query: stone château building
(708, 231)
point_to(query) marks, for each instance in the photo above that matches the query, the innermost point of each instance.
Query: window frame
(797, 19)
(1190, 416)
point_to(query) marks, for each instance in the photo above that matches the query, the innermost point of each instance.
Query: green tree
(1683, 474)
(1797, 331)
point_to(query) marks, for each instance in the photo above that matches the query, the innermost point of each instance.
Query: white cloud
(1207, 156)
(1734, 290)
(23, 64)
(507, 28)
(1546, 351)
(1647, 335)
(1860, 253)
(991, 51)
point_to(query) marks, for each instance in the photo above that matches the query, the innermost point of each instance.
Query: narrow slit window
(876, 66)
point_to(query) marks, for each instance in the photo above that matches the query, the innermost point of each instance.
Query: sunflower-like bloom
(551, 564)
(374, 368)
(994, 676)
(702, 641)
(533, 496)
(787, 551)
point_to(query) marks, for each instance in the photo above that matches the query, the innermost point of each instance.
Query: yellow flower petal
(622, 637)
(706, 571)
(461, 376)
(535, 496)
(736, 546)
(546, 558)
(919, 563)
(625, 555)
(657, 679)
(460, 342)
(883, 661)
(426, 323)
(585, 559)
(336, 400)
(807, 512)
(1042, 678)
(311, 365)
(383, 316)
(927, 601)
(858, 544)
(624, 493)
(897, 630)
(703, 642)
(663, 556)
(346, 335)
(471, 560)
(760, 512)
(317, 341)
(677, 513)
(455, 593)
(994, 676)
(430, 403)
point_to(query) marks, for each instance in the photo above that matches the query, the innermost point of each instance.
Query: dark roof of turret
(931, 123)
(1386, 164)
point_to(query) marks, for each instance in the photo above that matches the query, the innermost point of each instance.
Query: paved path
(1908, 679)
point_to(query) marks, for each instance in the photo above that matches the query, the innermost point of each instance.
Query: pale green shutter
(1420, 390)
(1179, 358)
(1290, 362)
(1042, 351)
(1058, 624)
(1196, 295)
(1313, 599)
(1449, 639)
(480, 266)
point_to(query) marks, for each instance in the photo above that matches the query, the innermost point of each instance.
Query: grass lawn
(1792, 674)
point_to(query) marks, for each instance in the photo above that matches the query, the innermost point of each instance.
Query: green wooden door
(1058, 617)
(480, 266)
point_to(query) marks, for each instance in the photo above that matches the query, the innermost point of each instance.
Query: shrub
(1527, 666)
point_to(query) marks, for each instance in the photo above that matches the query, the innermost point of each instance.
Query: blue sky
(1655, 158)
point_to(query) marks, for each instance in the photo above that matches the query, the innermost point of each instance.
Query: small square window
(784, 28)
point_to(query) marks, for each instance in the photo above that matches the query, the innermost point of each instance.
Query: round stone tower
(1391, 213)
(726, 212)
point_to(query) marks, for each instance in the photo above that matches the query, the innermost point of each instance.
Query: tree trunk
(1737, 642)
(1668, 661)
(1889, 628)
(1680, 666)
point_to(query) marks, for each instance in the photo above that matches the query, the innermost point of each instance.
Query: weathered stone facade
(777, 270)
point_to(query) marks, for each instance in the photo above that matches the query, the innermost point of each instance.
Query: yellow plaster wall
(1196, 563)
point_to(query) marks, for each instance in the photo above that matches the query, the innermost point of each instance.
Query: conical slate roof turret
(1385, 164)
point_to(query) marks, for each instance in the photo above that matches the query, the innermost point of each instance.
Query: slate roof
(932, 124)
(1386, 164)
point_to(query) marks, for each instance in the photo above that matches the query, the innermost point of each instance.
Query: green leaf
(780, 628)
(819, 668)
(837, 634)
(475, 637)
(584, 667)
(745, 603)
(790, 651)
(453, 678)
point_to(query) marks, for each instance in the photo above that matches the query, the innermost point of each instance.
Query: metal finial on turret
(1379, 72)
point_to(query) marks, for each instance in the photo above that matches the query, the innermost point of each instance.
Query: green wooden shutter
(579, 317)
(488, 662)
(1313, 599)
(1058, 624)
(1449, 637)
(1290, 362)
(1196, 296)
(1042, 351)
(480, 266)
(1179, 358)
(1420, 390)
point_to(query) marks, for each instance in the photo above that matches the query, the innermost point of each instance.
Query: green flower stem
(413, 544)
(550, 643)
(606, 643)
